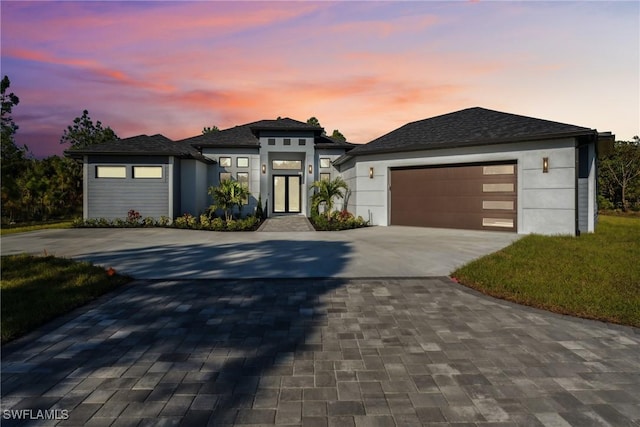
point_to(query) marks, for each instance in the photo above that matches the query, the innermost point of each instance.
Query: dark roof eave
(445, 145)
(77, 154)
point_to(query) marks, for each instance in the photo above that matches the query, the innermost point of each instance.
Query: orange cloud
(93, 68)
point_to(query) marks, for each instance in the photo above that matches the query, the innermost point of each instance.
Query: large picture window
(111, 172)
(287, 164)
(147, 172)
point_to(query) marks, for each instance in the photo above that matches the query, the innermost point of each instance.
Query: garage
(467, 196)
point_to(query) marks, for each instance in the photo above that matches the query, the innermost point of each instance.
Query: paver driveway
(336, 352)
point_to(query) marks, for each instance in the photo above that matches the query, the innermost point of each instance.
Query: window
(271, 141)
(302, 141)
(242, 162)
(287, 164)
(243, 178)
(498, 170)
(497, 188)
(287, 141)
(325, 162)
(111, 172)
(325, 177)
(147, 172)
(225, 162)
(225, 176)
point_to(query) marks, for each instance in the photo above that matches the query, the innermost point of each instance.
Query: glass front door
(286, 193)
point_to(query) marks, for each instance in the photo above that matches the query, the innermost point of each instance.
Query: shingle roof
(141, 145)
(239, 136)
(472, 126)
(324, 141)
(246, 135)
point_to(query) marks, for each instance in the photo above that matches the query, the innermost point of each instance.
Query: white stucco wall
(546, 201)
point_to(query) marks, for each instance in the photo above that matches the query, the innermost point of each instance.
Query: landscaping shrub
(338, 220)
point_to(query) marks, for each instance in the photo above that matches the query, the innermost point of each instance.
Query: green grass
(38, 289)
(8, 229)
(595, 276)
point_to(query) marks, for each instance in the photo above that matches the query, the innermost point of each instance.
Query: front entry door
(286, 193)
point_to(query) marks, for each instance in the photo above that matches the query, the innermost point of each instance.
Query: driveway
(188, 254)
(330, 352)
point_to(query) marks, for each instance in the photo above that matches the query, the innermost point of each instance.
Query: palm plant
(227, 195)
(325, 193)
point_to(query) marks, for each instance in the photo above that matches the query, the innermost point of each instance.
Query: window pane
(325, 177)
(325, 162)
(242, 162)
(497, 170)
(111, 172)
(302, 142)
(225, 162)
(147, 172)
(287, 164)
(225, 176)
(497, 222)
(502, 205)
(490, 188)
(271, 141)
(287, 141)
(243, 178)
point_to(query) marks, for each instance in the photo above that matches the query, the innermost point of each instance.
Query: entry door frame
(287, 180)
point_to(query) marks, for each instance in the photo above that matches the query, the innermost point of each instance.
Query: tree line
(42, 189)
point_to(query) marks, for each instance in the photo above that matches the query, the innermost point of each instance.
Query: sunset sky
(364, 68)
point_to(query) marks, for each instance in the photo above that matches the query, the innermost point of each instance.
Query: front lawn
(595, 276)
(19, 228)
(38, 289)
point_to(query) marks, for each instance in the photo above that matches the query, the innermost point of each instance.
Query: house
(471, 169)
(276, 159)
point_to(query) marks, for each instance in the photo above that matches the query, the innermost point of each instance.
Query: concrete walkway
(157, 253)
(286, 224)
(338, 352)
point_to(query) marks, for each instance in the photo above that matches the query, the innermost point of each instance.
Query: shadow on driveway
(189, 350)
(261, 259)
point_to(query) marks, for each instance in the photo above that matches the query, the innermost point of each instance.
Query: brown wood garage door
(470, 196)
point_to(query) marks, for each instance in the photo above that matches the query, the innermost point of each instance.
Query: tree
(210, 129)
(84, 133)
(9, 100)
(13, 157)
(338, 135)
(227, 195)
(620, 173)
(325, 193)
(313, 122)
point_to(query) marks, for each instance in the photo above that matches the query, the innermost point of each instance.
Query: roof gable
(472, 126)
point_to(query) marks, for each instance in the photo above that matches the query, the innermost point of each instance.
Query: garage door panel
(480, 197)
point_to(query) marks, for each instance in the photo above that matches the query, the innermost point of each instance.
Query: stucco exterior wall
(212, 177)
(546, 201)
(193, 187)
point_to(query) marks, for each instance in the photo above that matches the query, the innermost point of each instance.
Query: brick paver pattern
(408, 352)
